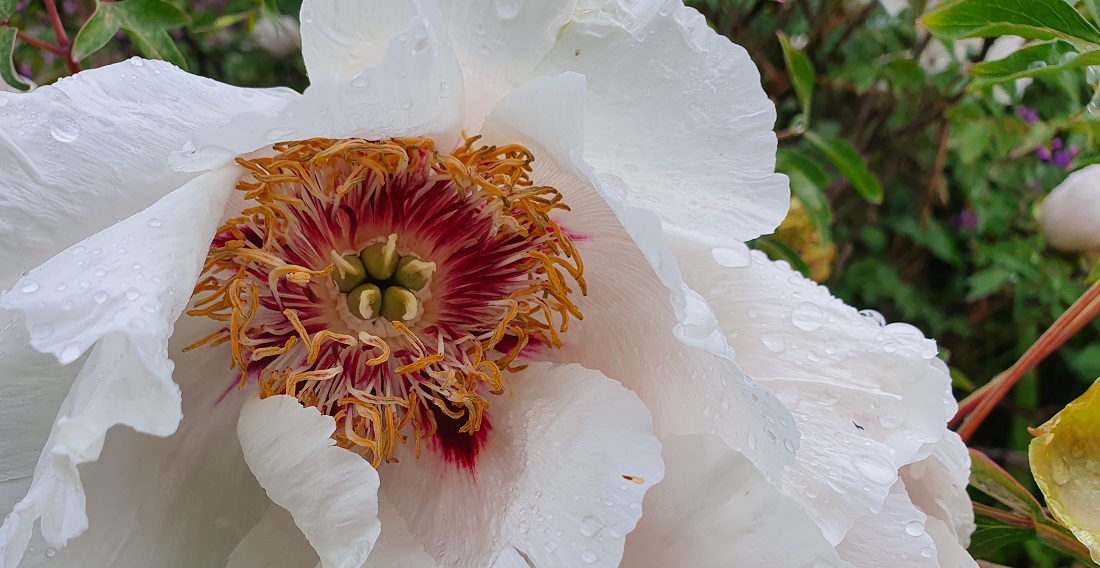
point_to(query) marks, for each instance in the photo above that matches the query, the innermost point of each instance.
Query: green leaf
(991, 479)
(986, 282)
(1031, 19)
(7, 65)
(851, 165)
(96, 32)
(779, 251)
(158, 45)
(7, 8)
(989, 539)
(149, 15)
(801, 73)
(808, 182)
(1033, 61)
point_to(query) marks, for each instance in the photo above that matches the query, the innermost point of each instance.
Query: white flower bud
(1070, 216)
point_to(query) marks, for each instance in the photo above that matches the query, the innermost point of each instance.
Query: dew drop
(927, 552)
(406, 105)
(589, 556)
(550, 546)
(42, 330)
(65, 130)
(154, 223)
(29, 287)
(79, 249)
(590, 525)
(444, 90)
(51, 552)
(137, 61)
(100, 297)
(789, 445)
(523, 528)
(1059, 471)
(874, 316)
(133, 294)
(731, 257)
(807, 316)
(361, 81)
(774, 342)
(914, 528)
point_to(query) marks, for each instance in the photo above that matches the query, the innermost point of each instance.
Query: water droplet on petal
(589, 556)
(732, 257)
(137, 61)
(29, 287)
(914, 528)
(590, 525)
(874, 316)
(807, 316)
(523, 528)
(927, 552)
(132, 294)
(100, 297)
(154, 223)
(550, 546)
(65, 130)
(774, 342)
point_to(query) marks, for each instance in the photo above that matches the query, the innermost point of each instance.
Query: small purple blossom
(1027, 114)
(1056, 144)
(1057, 153)
(967, 220)
(1063, 158)
(1043, 153)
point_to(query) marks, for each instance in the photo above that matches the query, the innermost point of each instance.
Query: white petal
(671, 353)
(274, 542)
(176, 502)
(866, 398)
(89, 150)
(414, 90)
(332, 493)
(120, 290)
(32, 387)
(715, 509)
(340, 39)
(894, 536)
(937, 486)
(950, 553)
(677, 111)
(559, 481)
(500, 44)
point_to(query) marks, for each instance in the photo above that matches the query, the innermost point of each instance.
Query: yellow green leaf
(1065, 459)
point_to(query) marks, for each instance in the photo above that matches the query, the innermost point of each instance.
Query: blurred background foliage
(916, 179)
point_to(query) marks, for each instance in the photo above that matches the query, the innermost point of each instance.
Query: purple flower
(967, 220)
(1027, 114)
(1043, 153)
(1063, 158)
(1056, 144)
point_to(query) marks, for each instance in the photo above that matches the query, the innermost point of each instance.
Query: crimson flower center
(390, 285)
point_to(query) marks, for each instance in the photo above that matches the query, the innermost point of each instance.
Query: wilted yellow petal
(1065, 459)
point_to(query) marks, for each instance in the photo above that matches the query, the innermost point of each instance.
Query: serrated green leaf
(96, 32)
(149, 15)
(158, 45)
(801, 73)
(993, 480)
(7, 65)
(779, 251)
(1033, 61)
(1031, 19)
(850, 164)
(808, 182)
(7, 8)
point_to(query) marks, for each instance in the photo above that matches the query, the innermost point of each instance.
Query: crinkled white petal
(121, 290)
(894, 536)
(677, 111)
(176, 502)
(950, 553)
(331, 492)
(559, 482)
(715, 509)
(32, 387)
(937, 486)
(81, 154)
(276, 542)
(865, 397)
(340, 39)
(642, 326)
(414, 90)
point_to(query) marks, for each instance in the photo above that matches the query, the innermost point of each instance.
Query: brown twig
(40, 44)
(63, 42)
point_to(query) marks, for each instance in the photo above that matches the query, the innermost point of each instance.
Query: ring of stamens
(389, 285)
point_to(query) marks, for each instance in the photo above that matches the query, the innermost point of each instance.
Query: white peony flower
(373, 281)
(1070, 215)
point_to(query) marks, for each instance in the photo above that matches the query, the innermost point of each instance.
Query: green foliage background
(924, 179)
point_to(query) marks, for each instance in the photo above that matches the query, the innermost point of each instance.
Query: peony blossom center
(390, 285)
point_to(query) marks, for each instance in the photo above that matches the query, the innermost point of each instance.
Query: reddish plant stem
(40, 44)
(63, 43)
(975, 408)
